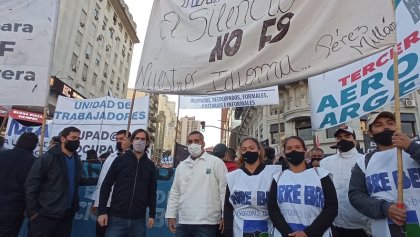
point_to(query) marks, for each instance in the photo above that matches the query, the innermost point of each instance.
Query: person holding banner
(198, 193)
(373, 182)
(349, 222)
(14, 167)
(132, 179)
(252, 180)
(122, 144)
(302, 201)
(52, 187)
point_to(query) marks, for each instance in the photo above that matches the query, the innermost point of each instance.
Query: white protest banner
(26, 46)
(99, 120)
(15, 129)
(367, 85)
(266, 96)
(209, 47)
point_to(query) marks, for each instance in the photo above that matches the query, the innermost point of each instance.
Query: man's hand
(172, 224)
(33, 216)
(103, 220)
(397, 215)
(401, 140)
(298, 234)
(221, 225)
(150, 223)
(94, 210)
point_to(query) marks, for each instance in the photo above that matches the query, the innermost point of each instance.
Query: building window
(83, 16)
(274, 132)
(73, 62)
(88, 50)
(94, 78)
(115, 59)
(121, 66)
(304, 129)
(98, 59)
(408, 124)
(330, 131)
(102, 86)
(79, 37)
(96, 12)
(85, 71)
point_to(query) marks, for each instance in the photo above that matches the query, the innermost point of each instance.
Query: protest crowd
(95, 167)
(219, 193)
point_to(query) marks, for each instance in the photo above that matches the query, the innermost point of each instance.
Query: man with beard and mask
(52, 187)
(373, 182)
(123, 143)
(198, 192)
(349, 222)
(14, 167)
(302, 201)
(132, 180)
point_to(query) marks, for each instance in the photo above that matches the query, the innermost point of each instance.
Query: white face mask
(194, 149)
(139, 145)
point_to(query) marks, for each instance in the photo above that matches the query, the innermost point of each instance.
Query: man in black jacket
(134, 178)
(52, 186)
(14, 167)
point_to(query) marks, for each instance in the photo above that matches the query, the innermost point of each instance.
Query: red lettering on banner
(410, 40)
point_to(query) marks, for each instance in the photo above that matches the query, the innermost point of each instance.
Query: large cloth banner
(265, 96)
(367, 85)
(15, 129)
(26, 46)
(209, 47)
(99, 120)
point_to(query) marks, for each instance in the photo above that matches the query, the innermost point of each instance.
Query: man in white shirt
(198, 193)
(349, 222)
(123, 143)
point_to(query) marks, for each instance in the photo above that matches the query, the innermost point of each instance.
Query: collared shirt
(105, 167)
(340, 165)
(198, 192)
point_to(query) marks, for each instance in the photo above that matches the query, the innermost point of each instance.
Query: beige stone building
(93, 51)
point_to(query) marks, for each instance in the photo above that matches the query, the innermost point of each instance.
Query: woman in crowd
(245, 211)
(302, 201)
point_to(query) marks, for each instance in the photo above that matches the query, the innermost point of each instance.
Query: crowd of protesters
(250, 191)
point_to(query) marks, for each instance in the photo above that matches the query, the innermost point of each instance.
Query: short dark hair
(27, 140)
(294, 137)
(124, 132)
(231, 154)
(55, 139)
(317, 149)
(147, 137)
(270, 153)
(197, 132)
(68, 130)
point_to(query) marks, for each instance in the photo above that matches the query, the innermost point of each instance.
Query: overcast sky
(140, 9)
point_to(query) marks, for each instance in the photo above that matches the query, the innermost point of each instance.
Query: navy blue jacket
(14, 167)
(134, 190)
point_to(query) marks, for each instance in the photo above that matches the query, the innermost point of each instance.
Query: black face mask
(295, 157)
(384, 138)
(72, 145)
(119, 148)
(344, 146)
(250, 157)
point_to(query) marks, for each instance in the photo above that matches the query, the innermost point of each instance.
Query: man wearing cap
(226, 154)
(349, 222)
(373, 182)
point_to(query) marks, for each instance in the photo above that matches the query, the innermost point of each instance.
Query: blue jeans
(119, 227)
(196, 230)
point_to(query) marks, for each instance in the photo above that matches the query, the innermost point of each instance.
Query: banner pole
(400, 197)
(41, 140)
(131, 111)
(176, 127)
(278, 120)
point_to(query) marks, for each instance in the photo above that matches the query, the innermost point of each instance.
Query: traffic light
(203, 125)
